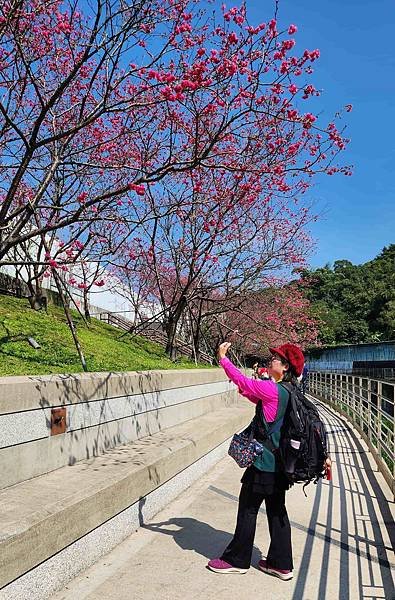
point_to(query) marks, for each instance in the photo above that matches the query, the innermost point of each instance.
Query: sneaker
(283, 574)
(220, 566)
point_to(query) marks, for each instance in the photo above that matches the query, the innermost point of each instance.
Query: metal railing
(369, 406)
(152, 331)
(371, 371)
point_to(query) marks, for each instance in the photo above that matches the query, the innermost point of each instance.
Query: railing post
(357, 400)
(369, 394)
(379, 417)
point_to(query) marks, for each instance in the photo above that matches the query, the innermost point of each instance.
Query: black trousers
(239, 551)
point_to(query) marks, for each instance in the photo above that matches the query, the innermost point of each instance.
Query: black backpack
(302, 426)
(302, 450)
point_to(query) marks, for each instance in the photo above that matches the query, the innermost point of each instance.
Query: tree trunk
(37, 299)
(86, 307)
(171, 328)
(196, 339)
(70, 320)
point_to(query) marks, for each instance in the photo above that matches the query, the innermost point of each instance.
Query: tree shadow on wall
(109, 431)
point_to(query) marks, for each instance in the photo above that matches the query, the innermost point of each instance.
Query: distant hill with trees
(354, 303)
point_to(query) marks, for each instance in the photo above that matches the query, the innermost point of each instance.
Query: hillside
(354, 303)
(105, 347)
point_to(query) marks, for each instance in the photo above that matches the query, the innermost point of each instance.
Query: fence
(12, 286)
(369, 405)
(153, 330)
(373, 370)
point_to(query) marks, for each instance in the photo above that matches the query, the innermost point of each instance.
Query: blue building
(376, 359)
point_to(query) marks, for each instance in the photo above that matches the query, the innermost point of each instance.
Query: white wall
(101, 299)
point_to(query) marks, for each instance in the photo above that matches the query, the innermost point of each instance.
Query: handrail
(154, 335)
(369, 405)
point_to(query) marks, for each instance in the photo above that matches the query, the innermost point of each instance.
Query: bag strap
(268, 442)
(289, 388)
(251, 427)
(270, 429)
(273, 427)
(293, 413)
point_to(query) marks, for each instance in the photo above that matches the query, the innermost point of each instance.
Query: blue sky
(357, 66)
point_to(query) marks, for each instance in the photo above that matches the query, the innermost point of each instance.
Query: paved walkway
(341, 539)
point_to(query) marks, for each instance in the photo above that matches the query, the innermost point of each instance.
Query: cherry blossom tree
(87, 256)
(278, 314)
(98, 105)
(223, 242)
(186, 132)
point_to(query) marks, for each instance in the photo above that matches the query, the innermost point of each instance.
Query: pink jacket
(254, 389)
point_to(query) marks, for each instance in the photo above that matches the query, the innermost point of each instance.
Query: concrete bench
(56, 524)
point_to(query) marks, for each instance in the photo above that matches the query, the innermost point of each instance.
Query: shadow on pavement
(191, 534)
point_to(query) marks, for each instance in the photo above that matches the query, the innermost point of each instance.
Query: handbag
(244, 448)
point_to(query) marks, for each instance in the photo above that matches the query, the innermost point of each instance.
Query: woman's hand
(222, 349)
(328, 468)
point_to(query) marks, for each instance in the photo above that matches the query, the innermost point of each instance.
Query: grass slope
(103, 345)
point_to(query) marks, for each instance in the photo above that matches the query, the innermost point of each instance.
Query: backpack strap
(268, 442)
(293, 413)
(272, 428)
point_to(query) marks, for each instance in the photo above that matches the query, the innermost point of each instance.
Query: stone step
(42, 516)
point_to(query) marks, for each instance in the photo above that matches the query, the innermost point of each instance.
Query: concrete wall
(104, 410)
(133, 442)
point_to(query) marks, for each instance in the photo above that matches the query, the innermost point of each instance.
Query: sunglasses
(278, 358)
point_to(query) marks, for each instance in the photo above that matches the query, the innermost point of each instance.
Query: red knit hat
(292, 354)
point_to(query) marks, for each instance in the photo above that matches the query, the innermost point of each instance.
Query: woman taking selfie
(262, 481)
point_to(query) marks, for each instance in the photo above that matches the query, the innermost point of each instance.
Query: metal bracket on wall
(58, 420)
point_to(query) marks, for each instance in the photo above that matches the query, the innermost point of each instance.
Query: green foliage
(104, 346)
(355, 303)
